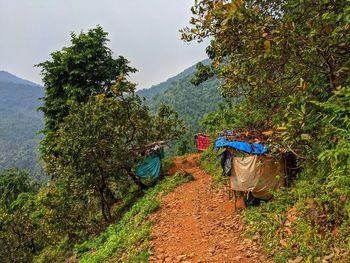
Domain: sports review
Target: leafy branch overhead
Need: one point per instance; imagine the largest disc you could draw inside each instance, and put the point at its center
(264, 47)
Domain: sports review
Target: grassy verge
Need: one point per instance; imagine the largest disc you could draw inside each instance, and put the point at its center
(128, 240)
(293, 226)
(168, 164)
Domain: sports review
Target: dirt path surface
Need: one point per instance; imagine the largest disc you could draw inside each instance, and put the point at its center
(198, 224)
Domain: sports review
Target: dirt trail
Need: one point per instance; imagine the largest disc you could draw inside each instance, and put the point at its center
(198, 224)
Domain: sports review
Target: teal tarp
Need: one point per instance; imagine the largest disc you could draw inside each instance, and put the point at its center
(150, 167)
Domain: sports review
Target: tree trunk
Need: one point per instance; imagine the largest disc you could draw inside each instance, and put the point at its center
(102, 199)
(108, 207)
(33, 248)
(110, 199)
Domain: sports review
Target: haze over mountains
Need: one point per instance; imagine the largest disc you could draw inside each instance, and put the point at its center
(149, 93)
(10, 78)
(20, 121)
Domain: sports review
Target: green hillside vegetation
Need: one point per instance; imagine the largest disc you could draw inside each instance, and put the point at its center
(192, 104)
(19, 123)
(95, 133)
(277, 65)
(289, 62)
(149, 93)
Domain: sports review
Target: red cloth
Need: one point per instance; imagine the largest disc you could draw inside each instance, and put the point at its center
(203, 143)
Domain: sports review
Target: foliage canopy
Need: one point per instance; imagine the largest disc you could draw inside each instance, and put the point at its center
(289, 62)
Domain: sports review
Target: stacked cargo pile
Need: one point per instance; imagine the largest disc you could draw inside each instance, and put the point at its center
(247, 163)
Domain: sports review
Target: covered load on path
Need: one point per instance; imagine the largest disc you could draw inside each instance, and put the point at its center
(202, 142)
(150, 167)
(257, 174)
(248, 164)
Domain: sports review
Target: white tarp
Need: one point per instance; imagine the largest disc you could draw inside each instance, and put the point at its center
(258, 174)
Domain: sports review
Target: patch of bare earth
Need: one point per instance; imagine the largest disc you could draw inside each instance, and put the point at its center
(198, 224)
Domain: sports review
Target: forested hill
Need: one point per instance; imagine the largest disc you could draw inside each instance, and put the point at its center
(191, 102)
(19, 121)
(10, 78)
(149, 93)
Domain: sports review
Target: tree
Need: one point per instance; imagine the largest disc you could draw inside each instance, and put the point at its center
(13, 182)
(277, 55)
(96, 130)
(75, 73)
(263, 48)
(182, 147)
(20, 233)
(289, 61)
(101, 141)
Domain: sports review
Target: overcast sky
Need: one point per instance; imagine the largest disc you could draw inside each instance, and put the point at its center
(146, 32)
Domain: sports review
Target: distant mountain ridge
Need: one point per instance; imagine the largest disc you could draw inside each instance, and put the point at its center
(7, 77)
(149, 93)
(19, 122)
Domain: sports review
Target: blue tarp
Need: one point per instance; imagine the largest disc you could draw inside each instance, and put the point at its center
(150, 167)
(255, 148)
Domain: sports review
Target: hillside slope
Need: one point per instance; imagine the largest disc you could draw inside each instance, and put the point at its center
(7, 77)
(19, 122)
(191, 102)
(149, 93)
